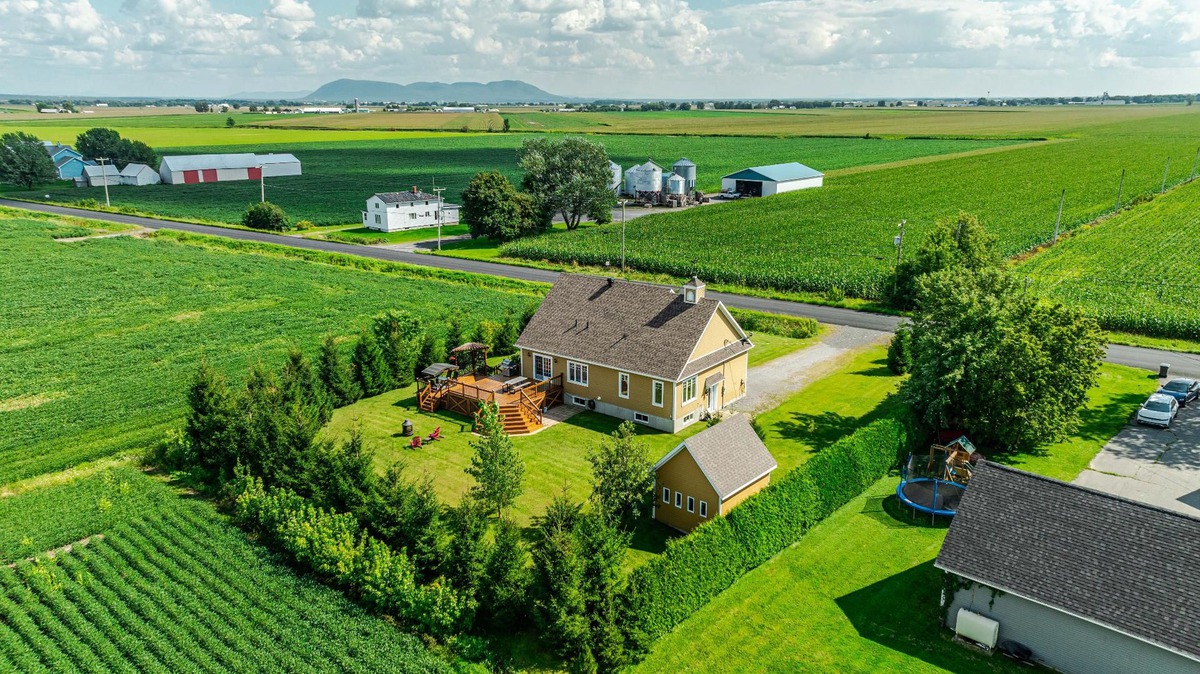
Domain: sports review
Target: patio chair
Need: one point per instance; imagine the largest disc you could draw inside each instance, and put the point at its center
(416, 443)
(435, 435)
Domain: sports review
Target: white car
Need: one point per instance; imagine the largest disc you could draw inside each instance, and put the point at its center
(1158, 410)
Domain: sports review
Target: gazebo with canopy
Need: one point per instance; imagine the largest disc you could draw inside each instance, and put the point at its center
(471, 357)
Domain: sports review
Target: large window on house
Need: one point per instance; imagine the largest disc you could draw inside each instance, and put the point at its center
(543, 367)
(689, 389)
(657, 393)
(577, 373)
(623, 384)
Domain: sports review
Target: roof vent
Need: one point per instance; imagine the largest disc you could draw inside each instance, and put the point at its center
(610, 282)
(693, 291)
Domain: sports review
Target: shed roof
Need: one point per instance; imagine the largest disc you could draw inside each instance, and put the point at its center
(1120, 563)
(642, 328)
(68, 159)
(101, 170)
(404, 197)
(281, 158)
(133, 168)
(730, 454)
(198, 162)
(778, 173)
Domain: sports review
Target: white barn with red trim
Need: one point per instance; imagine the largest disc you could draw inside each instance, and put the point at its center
(212, 168)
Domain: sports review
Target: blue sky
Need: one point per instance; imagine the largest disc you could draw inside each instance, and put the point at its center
(605, 48)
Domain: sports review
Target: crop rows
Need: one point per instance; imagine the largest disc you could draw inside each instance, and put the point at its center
(101, 337)
(841, 235)
(339, 176)
(1138, 271)
(176, 590)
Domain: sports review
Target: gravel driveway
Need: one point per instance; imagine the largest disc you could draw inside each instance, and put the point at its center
(1152, 465)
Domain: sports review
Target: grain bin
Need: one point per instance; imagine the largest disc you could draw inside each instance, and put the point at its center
(673, 183)
(649, 178)
(686, 170)
(615, 169)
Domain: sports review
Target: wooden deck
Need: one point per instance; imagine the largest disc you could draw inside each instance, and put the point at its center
(520, 409)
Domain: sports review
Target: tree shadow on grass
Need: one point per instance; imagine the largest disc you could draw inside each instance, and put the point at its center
(650, 535)
(1097, 423)
(902, 613)
(823, 429)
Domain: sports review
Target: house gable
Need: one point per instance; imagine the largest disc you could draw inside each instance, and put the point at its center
(722, 330)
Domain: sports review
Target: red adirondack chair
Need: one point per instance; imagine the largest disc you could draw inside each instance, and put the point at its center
(435, 435)
(416, 443)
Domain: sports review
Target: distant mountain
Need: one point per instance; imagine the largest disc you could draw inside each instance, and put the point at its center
(505, 91)
(267, 96)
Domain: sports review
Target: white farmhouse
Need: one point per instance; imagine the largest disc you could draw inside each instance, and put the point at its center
(139, 174)
(396, 211)
(763, 181)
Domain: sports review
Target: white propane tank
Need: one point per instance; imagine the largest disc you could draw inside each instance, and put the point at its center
(978, 628)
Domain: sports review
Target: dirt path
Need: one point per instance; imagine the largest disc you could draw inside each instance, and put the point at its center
(770, 383)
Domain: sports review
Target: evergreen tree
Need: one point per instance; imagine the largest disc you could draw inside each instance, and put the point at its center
(560, 604)
(454, 333)
(211, 423)
(410, 516)
(399, 336)
(336, 374)
(506, 337)
(467, 555)
(371, 371)
(433, 350)
(602, 549)
(342, 477)
(502, 598)
(496, 465)
(300, 384)
(622, 477)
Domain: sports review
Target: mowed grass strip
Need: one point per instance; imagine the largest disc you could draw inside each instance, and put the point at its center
(103, 336)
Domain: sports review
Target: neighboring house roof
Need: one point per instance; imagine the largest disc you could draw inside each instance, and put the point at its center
(242, 160)
(97, 171)
(67, 160)
(1108, 560)
(641, 328)
(730, 454)
(404, 197)
(54, 149)
(779, 173)
(133, 169)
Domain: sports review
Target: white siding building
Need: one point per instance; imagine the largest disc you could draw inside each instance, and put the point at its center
(139, 174)
(99, 176)
(763, 181)
(396, 211)
(211, 168)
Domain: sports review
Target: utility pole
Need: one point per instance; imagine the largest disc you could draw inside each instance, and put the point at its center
(104, 179)
(623, 202)
(1120, 186)
(1164, 183)
(262, 186)
(1061, 200)
(439, 191)
(899, 243)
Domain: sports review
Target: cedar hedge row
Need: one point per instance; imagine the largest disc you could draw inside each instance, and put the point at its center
(696, 568)
(796, 327)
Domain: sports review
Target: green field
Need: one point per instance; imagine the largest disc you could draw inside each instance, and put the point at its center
(164, 584)
(1138, 271)
(841, 235)
(102, 336)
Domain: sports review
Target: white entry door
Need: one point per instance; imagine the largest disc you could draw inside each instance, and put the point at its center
(713, 403)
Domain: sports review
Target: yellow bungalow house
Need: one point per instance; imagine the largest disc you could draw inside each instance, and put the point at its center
(660, 356)
(710, 473)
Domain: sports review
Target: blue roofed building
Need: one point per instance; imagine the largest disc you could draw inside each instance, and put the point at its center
(763, 181)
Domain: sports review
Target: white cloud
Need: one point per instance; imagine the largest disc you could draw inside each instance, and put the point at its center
(602, 47)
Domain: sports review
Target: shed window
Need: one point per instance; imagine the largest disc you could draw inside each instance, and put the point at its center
(577, 373)
(666, 495)
(691, 504)
(412, 216)
(657, 396)
(704, 508)
(623, 384)
(678, 500)
(377, 220)
(689, 389)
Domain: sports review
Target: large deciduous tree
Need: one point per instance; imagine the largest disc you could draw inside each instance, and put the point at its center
(24, 161)
(958, 243)
(569, 177)
(98, 142)
(990, 358)
(492, 207)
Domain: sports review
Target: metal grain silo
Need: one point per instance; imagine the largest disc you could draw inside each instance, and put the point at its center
(686, 170)
(615, 169)
(649, 178)
(673, 183)
(631, 177)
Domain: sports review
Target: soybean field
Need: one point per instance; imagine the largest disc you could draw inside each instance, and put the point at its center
(102, 336)
(165, 585)
(841, 235)
(339, 176)
(1138, 271)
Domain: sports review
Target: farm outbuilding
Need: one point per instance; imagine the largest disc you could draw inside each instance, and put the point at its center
(763, 181)
(98, 176)
(1080, 581)
(211, 168)
(139, 174)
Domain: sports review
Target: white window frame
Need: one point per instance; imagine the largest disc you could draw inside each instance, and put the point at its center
(666, 495)
(689, 417)
(658, 393)
(378, 220)
(574, 370)
(549, 361)
(641, 417)
(704, 509)
(678, 499)
(579, 401)
(690, 382)
(623, 379)
(691, 504)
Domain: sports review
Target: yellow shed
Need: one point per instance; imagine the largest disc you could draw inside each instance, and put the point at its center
(710, 473)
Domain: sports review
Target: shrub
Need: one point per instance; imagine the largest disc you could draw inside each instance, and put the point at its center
(797, 327)
(266, 216)
(696, 568)
(835, 294)
(899, 355)
(304, 225)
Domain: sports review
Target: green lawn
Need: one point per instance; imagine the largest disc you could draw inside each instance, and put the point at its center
(829, 408)
(859, 593)
(370, 236)
(768, 347)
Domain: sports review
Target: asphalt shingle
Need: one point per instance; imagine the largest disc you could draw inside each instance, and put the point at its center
(730, 454)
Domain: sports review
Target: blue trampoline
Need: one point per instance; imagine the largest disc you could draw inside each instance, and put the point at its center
(927, 491)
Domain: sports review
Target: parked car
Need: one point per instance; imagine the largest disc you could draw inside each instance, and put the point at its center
(1158, 410)
(1183, 390)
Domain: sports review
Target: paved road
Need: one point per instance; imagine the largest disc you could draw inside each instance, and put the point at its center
(1182, 364)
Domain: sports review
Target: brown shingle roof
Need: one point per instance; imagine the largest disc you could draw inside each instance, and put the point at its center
(730, 454)
(636, 327)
